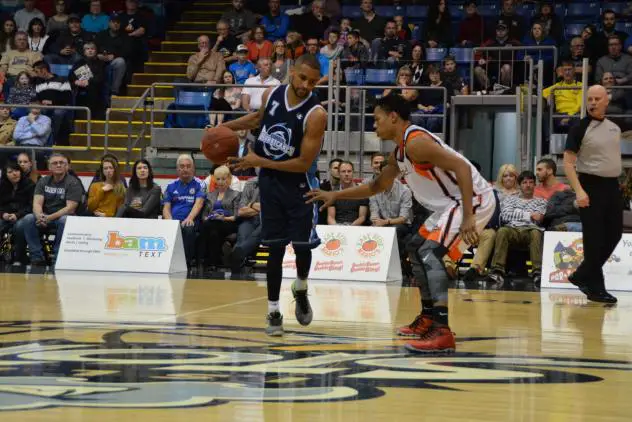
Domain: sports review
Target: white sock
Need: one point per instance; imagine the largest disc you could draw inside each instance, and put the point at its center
(300, 284)
(273, 306)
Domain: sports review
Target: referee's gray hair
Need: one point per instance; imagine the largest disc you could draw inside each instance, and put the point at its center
(185, 157)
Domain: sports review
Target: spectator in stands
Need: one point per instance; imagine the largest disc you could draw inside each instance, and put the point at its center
(23, 91)
(546, 171)
(313, 47)
(313, 24)
(219, 218)
(96, 21)
(225, 99)
(142, 199)
(432, 101)
(37, 37)
(488, 63)
(370, 25)
(417, 65)
(56, 90)
(472, 27)
(24, 16)
(567, 101)
(98, 175)
(258, 46)
(332, 47)
(240, 20)
(26, 164)
(562, 212)
(249, 229)
(137, 29)
(393, 208)
(280, 63)
(205, 66)
(438, 32)
(521, 218)
(211, 184)
(68, 46)
(404, 79)
(56, 196)
(514, 22)
(16, 201)
(294, 44)
(7, 35)
(537, 38)
(251, 98)
(377, 158)
(551, 24)
(114, 50)
(390, 49)
(617, 63)
(244, 147)
(591, 43)
(106, 196)
(333, 183)
(506, 185)
(87, 77)
(356, 54)
(19, 60)
(183, 201)
(243, 68)
(402, 30)
(450, 76)
(345, 29)
(275, 23)
(602, 39)
(353, 212)
(59, 21)
(7, 125)
(33, 129)
(225, 43)
(618, 101)
(575, 53)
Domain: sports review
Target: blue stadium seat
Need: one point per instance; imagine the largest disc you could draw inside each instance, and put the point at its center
(625, 27)
(385, 11)
(526, 10)
(615, 7)
(488, 10)
(354, 76)
(462, 55)
(583, 9)
(559, 9)
(573, 29)
(417, 11)
(193, 98)
(380, 76)
(351, 11)
(436, 54)
(457, 12)
(60, 69)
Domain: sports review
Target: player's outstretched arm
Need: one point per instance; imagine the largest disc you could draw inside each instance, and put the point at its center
(250, 121)
(381, 183)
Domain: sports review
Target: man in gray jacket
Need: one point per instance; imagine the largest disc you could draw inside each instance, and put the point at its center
(617, 63)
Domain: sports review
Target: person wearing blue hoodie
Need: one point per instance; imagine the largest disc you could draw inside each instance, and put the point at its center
(275, 23)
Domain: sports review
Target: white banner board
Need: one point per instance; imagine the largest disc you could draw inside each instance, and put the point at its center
(351, 253)
(121, 244)
(563, 252)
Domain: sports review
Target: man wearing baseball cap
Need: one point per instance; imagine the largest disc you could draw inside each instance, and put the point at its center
(495, 65)
(69, 45)
(242, 68)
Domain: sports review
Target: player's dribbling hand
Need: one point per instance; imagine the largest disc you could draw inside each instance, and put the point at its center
(468, 231)
(249, 160)
(324, 196)
(582, 199)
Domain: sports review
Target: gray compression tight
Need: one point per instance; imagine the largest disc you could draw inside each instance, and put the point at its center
(426, 257)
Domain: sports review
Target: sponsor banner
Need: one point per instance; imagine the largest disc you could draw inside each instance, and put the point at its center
(351, 253)
(121, 244)
(564, 251)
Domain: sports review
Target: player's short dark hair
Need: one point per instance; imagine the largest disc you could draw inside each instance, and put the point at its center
(334, 160)
(348, 163)
(394, 103)
(526, 175)
(309, 60)
(550, 164)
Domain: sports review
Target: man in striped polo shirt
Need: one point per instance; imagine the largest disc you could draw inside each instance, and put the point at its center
(592, 162)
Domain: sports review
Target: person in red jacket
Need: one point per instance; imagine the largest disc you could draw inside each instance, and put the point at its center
(472, 27)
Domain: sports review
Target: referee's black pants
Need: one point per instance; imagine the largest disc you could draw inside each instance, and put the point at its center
(602, 227)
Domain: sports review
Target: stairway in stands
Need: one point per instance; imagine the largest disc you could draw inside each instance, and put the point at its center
(164, 65)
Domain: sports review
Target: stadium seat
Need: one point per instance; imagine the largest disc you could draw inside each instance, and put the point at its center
(417, 11)
(617, 8)
(60, 69)
(457, 12)
(189, 98)
(436, 54)
(351, 11)
(488, 10)
(559, 9)
(583, 10)
(526, 10)
(380, 76)
(461, 55)
(385, 11)
(354, 76)
(625, 27)
(573, 29)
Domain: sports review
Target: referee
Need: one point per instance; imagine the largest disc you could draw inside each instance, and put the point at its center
(592, 161)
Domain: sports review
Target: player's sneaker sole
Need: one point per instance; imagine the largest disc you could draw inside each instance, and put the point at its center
(303, 311)
(438, 340)
(275, 324)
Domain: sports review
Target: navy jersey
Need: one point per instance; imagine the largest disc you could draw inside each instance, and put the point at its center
(282, 129)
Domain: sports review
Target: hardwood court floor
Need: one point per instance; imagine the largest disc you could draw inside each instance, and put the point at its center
(113, 347)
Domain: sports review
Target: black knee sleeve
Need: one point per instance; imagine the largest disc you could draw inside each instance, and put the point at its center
(303, 262)
(274, 272)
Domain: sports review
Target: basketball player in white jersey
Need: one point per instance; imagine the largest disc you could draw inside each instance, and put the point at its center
(446, 183)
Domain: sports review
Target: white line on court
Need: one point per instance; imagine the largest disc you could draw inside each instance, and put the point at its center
(212, 308)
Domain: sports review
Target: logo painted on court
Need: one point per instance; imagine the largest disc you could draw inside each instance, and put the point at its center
(115, 373)
(370, 245)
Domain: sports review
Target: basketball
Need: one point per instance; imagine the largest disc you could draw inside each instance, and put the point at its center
(219, 143)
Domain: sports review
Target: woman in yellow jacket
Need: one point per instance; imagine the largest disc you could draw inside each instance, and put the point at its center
(105, 197)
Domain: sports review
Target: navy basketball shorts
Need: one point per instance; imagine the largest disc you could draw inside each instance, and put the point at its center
(285, 217)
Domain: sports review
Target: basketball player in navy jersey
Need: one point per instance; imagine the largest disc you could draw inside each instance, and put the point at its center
(292, 125)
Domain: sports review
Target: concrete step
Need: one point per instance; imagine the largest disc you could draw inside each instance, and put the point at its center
(164, 67)
(114, 140)
(179, 45)
(115, 127)
(149, 78)
(95, 154)
(204, 26)
(212, 15)
(129, 102)
(121, 114)
(187, 35)
(170, 56)
(136, 90)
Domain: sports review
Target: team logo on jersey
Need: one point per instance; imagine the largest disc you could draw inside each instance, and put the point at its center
(370, 245)
(333, 244)
(277, 141)
(141, 373)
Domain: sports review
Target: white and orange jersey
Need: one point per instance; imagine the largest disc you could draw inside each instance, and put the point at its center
(433, 187)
